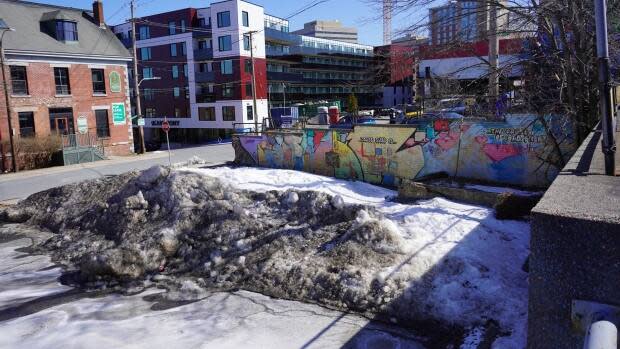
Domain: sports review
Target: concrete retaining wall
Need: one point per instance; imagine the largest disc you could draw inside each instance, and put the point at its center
(519, 151)
(575, 246)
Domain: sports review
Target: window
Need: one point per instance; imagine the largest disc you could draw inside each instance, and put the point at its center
(225, 43)
(228, 113)
(173, 50)
(101, 120)
(226, 67)
(186, 89)
(61, 78)
(19, 80)
(183, 49)
(205, 67)
(185, 70)
(183, 26)
(176, 91)
(147, 73)
(145, 53)
(250, 112)
(26, 124)
(223, 19)
(248, 65)
(206, 114)
(177, 112)
(203, 45)
(228, 90)
(175, 71)
(66, 31)
(248, 89)
(245, 18)
(172, 27)
(149, 94)
(246, 42)
(145, 33)
(202, 23)
(98, 81)
(150, 112)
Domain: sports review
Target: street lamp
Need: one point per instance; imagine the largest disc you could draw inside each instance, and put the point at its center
(3, 29)
(139, 110)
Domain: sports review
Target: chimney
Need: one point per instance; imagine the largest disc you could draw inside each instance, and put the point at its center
(98, 13)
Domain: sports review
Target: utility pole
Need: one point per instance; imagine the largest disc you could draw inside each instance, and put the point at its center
(4, 28)
(493, 52)
(254, 112)
(606, 107)
(135, 77)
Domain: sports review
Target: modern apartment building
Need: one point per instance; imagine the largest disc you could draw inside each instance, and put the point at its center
(302, 69)
(68, 74)
(201, 59)
(461, 21)
(332, 30)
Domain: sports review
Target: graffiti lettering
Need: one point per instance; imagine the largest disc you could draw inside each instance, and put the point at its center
(377, 140)
(515, 135)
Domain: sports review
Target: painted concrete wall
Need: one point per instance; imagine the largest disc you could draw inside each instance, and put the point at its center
(518, 151)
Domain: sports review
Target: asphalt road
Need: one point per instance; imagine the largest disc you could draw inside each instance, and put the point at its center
(20, 185)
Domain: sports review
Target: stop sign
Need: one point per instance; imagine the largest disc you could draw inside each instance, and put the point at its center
(165, 126)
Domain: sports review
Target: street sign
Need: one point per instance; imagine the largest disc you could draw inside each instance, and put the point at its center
(82, 124)
(118, 113)
(115, 82)
(165, 126)
(141, 122)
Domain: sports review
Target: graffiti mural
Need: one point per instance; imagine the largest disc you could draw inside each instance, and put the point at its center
(523, 150)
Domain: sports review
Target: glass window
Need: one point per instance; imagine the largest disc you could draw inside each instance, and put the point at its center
(228, 113)
(147, 73)
(228, 90)
(149, 94)
(101, 120)
(248, 65)
(177, 112)
(61, 78)
(201, 22)
(150, 112)
(145, 53)
(172, 27)
(246, 42)
(223, 19)
(145, 32)
(175, 71)
(206, 114)
(183, 26)
(66, 31)
(185, 70)
(98, 81)
(250, 112)
(248, 89)
(176, 91)
(225, 43)
(245, 17)
(173, 50)
(19, 80)
(183, 49)
(226, 67)
(26, 124)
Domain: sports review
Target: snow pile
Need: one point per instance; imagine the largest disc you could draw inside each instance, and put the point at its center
(296, 236)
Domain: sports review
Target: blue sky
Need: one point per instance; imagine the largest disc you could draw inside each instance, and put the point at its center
(357, 13)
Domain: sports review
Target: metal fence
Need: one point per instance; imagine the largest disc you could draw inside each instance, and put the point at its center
(81, 148)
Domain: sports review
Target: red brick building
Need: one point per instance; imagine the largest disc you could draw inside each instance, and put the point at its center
(66, 73)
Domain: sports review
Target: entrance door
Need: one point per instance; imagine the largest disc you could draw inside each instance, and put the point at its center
(62, 126)
(61, 121)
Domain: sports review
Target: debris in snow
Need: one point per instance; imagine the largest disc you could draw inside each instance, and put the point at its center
(449, 265)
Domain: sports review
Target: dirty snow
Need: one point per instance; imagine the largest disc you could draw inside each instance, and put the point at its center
(219, 320)
(475, 260)
(299, 236)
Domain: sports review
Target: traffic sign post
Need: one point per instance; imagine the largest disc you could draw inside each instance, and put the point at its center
(165, 126)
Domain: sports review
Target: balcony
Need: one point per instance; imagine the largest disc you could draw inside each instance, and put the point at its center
(205, 76)
(275, 35)
(203, 54)
(285, 77)
(202, 32)
(205, 97)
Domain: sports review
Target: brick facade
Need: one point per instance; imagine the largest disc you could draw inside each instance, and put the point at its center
(82, 101)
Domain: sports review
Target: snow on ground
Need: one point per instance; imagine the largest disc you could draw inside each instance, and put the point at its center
(474, 260)
(499, 190)
(219, 320)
